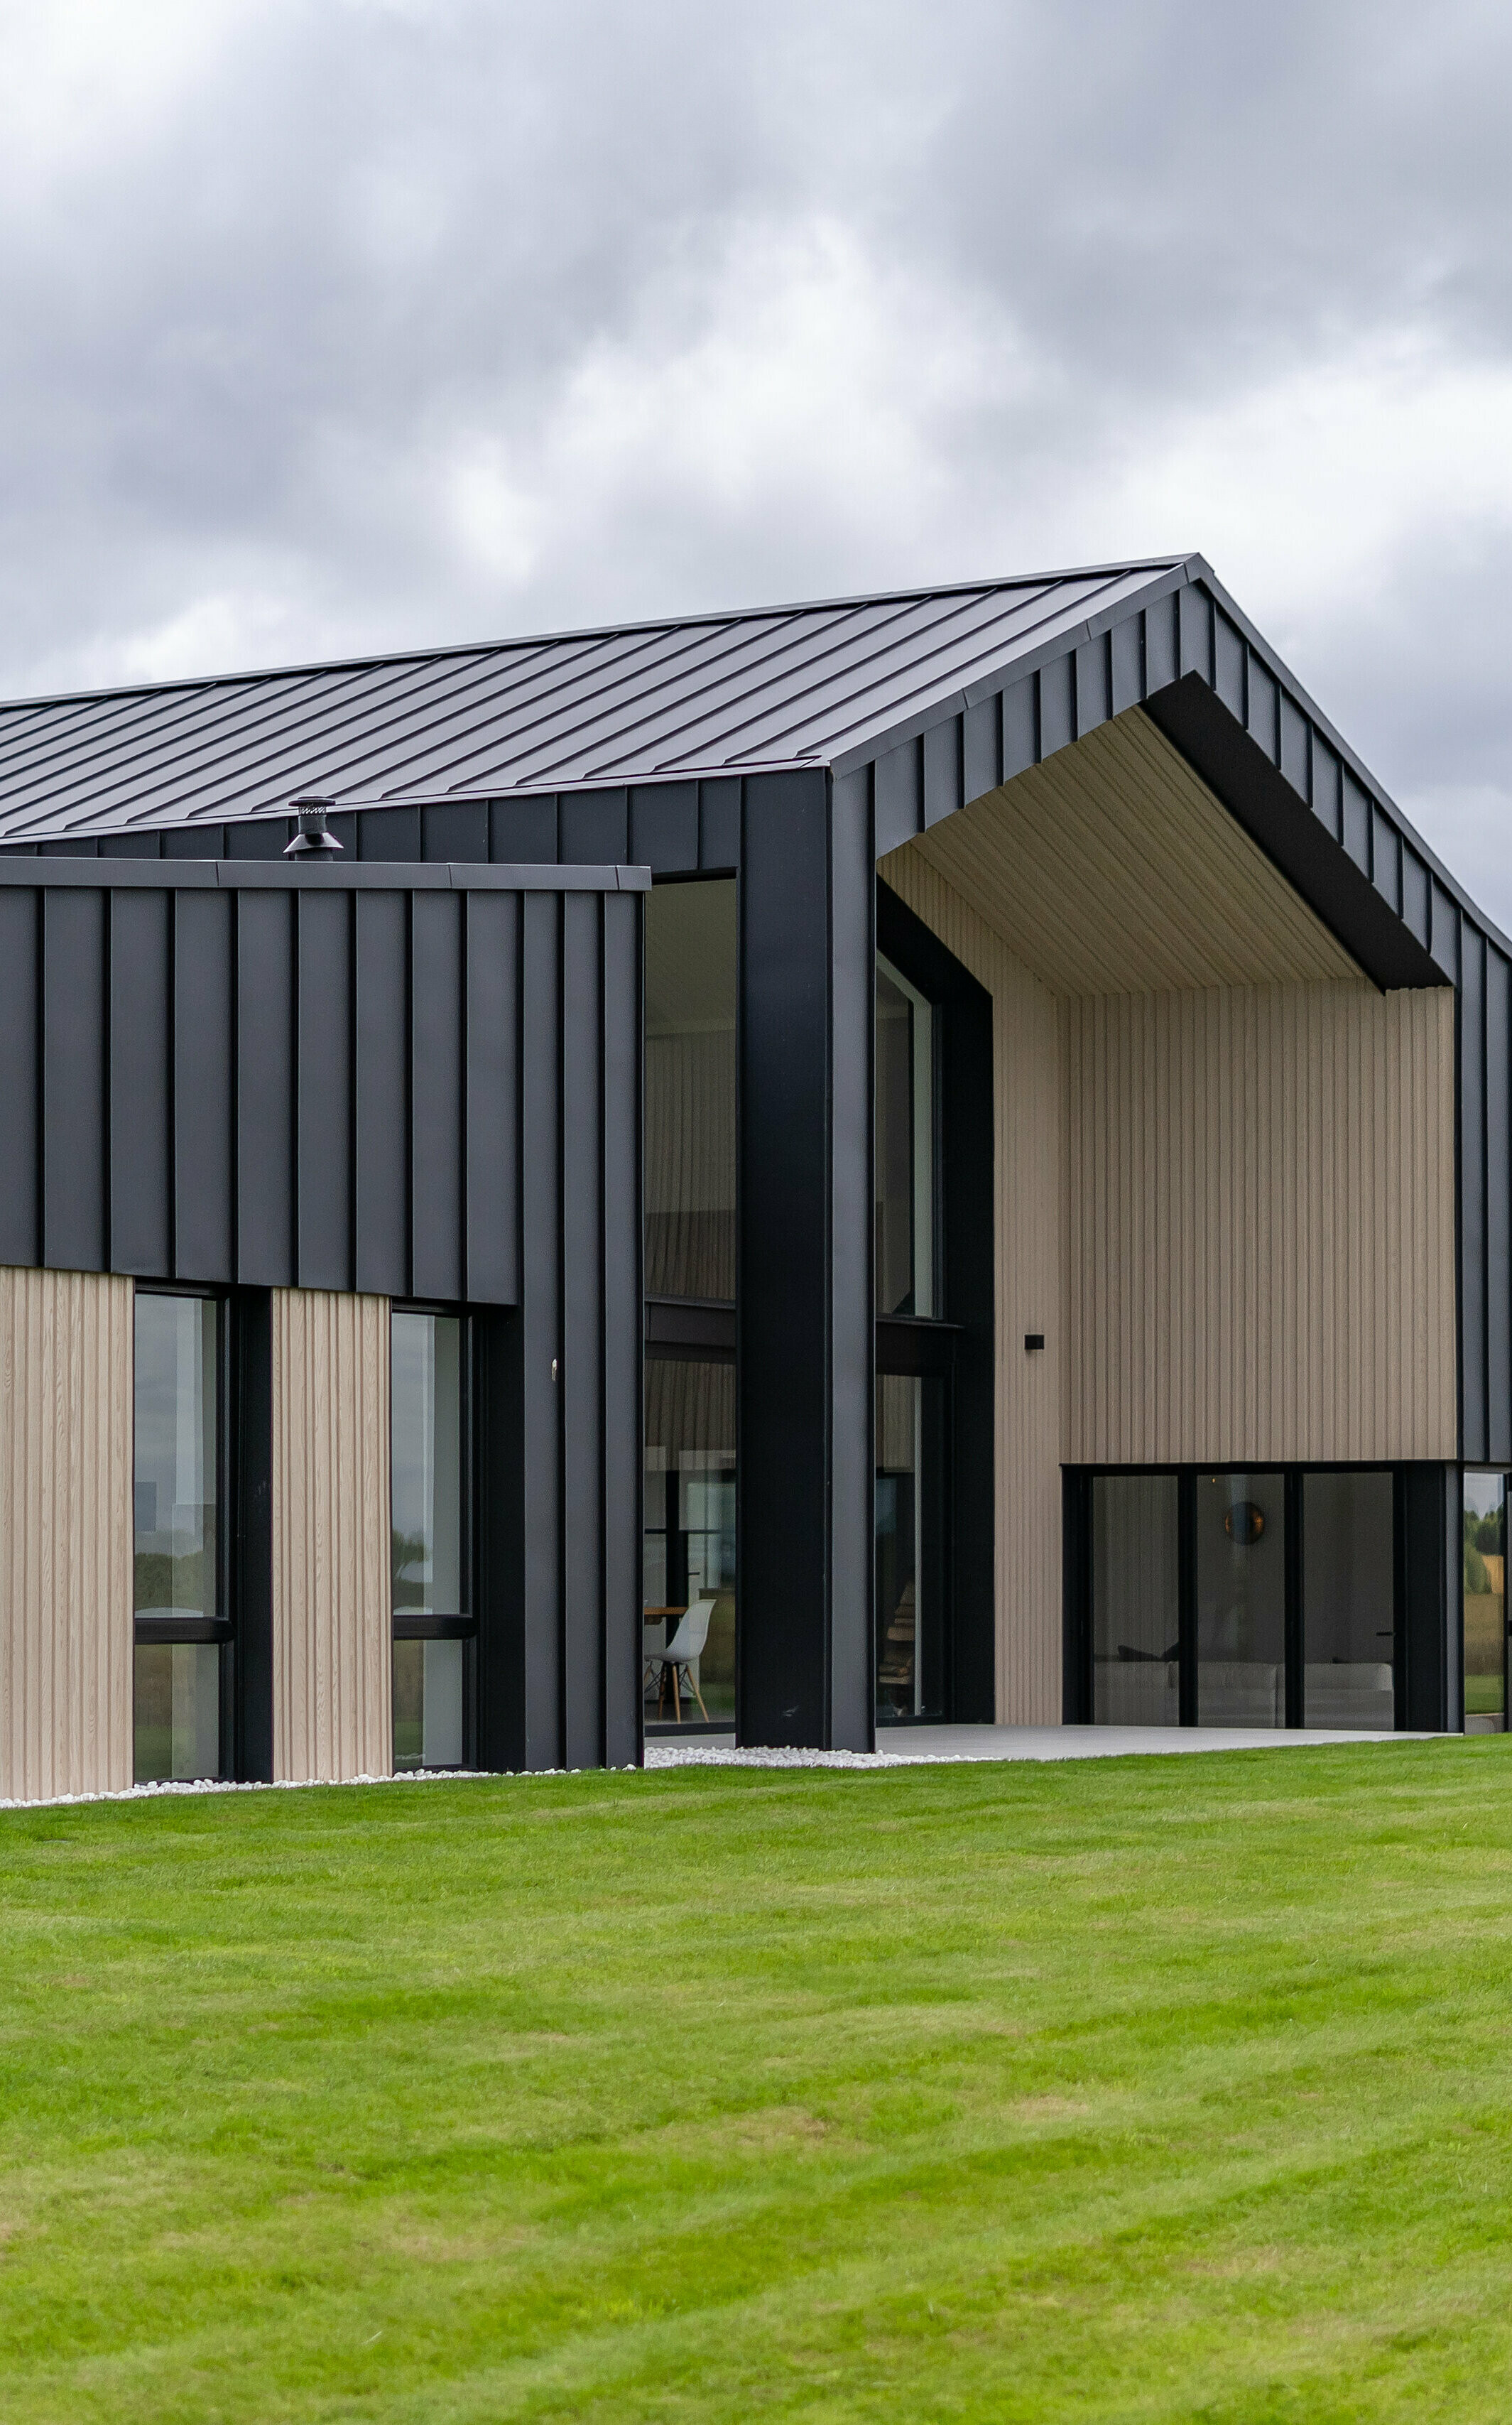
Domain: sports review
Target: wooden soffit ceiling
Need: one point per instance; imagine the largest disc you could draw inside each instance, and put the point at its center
(1112, 868)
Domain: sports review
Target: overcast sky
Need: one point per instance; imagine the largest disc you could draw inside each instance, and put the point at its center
(335, 324)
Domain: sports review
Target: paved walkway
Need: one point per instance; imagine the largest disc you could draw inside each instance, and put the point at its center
(901, 1746)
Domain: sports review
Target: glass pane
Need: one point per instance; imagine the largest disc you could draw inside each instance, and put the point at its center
(690, 1090)
(178, 1711)
(428, 1703)
(688, 1667)
(427, 1513)
(1241, 1599)
(911, 1585)
(1348, 1599)
(176, 1568)
(905, 1147)
(1136, 1601)
(1484, 1602)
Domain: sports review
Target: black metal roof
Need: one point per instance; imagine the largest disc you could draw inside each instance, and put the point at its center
(698, 695)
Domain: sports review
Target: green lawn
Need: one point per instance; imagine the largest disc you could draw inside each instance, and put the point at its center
(1135, 2089)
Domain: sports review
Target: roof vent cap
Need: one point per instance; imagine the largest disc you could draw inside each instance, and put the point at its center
(311, 808)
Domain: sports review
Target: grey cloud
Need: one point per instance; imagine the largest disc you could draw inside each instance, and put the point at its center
(256, 332)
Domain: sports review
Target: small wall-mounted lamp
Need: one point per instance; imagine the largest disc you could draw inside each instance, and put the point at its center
(312, 810)
(1033, 1342)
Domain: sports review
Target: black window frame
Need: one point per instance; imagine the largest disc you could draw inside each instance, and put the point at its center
(154, 1632)
(461, 1625)
(1078, 1694)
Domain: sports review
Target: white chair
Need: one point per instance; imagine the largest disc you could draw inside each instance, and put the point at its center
(682, 1655)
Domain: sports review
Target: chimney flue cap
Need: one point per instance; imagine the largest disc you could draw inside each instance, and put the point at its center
(311, 808)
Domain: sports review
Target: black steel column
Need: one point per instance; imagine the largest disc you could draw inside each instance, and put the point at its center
(804, 1356)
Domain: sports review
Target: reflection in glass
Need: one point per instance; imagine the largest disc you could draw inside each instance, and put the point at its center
(1485, 1565)
(905, 1155)
(177, 1710)
(428, 1703)
(909, 1565)
(688, 1667)
(1348, 1599)
(1135, 1601)
(690, 1090)
(1241, 1599)
(427, 1511)
(174, 1491)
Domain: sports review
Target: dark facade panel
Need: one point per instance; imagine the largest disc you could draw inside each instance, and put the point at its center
(1057, 705)
(1471, 1025)
(1094, 684)
(623, 1405)
(522, 832)
(455, 831)
(267, 1254)
(436, 1093)
(663, 828)
(899, 799)
(1498, 1208)
(1386, 859)
(982, 746)
(593, 828)
(262, 837)
(20, 1072)
(720, 825)
(204, 1106)
(851, 1715)
(942, 756)
(492, 1057)
(1020, 727)
(324, 1096)
(538, 1344)
(381, 1144)
(1293, 746)
(581, 1387)
(140, 1090)
(1229, 654)
(393, 834)
(75, 1033)
(1126, 657)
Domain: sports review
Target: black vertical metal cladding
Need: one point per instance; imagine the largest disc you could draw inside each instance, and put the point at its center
(940, 751)
(593, 828)
(21, 913)
(324, 1077)
(897, 796)
(1190, 1707)
(251, 1335)
(265, 1047)
(74, 1114)
(499, 1538)
(1076, 1598)
(1020, 728)
(390, 834)
(383, 1086)
(720, 825)
(1057, 705)
(1470, 1026)
(437, 1087)
(140, 1092)
(664, 827)
(493, 960)
(782, 1380)
(1431, 1533)
(522, 833)
(982, 746)
(455, 831)
(204, 1113)
(1294, 1668)
(852, 1384)
(1499, 1207)
(623, 1400)
(580, 1385)
(538, 1336)
(260, 838)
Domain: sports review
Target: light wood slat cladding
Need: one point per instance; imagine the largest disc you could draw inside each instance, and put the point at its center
(1260, 1226)
(1028, 1289)
(1111, 869)
(333, 1622)
(65, 1534)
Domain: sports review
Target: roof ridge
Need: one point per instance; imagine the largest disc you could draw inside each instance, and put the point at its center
(918, 592)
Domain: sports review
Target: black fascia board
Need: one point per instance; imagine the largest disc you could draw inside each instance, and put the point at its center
(1259, 797)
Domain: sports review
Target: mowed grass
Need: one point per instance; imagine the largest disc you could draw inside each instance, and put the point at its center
(1129, 2089)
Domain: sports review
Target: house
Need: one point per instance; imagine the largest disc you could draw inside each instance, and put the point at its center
(941, 1156)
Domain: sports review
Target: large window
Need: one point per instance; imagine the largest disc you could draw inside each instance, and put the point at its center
(911, 1529)
(179, 1587)
(1348, 1599)
(688, 1591)
(1485, 1569)
(433, 1633)
(905, 1152)
(1135, 1601)
(1242, 1598)
(690, 1091)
